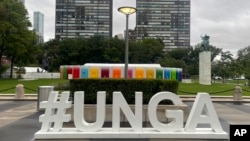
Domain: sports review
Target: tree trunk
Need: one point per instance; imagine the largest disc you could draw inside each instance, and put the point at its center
(11, 67)
(1, 54)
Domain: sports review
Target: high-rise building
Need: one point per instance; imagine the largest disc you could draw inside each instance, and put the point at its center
(131, 35)
(168, 20)
(83, 18)
(38, 25)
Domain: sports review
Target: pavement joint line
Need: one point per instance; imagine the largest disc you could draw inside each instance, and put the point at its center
(223, 112)
(17, 113)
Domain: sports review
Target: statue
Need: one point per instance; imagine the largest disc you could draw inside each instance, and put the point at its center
(45, 62)
(205, 61)
(205, 42)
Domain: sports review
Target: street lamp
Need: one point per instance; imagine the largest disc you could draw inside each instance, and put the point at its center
(127, 11)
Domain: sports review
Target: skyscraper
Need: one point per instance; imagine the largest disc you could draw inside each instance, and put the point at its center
(168, 20)
(38, 25)
(83, 18)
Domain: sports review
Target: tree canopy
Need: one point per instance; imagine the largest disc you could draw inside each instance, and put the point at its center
(98, 49)
(16, 40)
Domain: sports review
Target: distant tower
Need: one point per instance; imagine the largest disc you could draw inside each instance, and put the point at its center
(38, 25)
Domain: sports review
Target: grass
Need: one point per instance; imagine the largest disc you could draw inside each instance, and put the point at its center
(215, 89)
(7, 86)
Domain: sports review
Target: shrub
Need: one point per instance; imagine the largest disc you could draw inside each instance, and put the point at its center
(128, 87)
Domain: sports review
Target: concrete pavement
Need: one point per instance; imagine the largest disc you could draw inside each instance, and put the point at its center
(19, 117)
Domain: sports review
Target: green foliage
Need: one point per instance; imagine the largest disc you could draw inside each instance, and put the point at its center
(215, 89)
(98, 49)
(15, 37)
(244, 60)
(192, 57)
(3, 68)
(127, 86)
(146, 51)
(114, 50)
(168, 61)
(189, 89)
(224, 67)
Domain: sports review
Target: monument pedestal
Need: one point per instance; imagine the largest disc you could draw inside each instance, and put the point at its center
(205, 68)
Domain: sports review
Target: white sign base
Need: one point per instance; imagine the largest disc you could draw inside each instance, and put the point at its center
(126, 133)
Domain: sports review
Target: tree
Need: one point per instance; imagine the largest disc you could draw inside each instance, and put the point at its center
(175, 58)
(49, 53)
(171, 62)
(114, 50)
(96, 48)
(223, 66)
(244, 60)
(15, 36)
(146, 51)
(192, 58)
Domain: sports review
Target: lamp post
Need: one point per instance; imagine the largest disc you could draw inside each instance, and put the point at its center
(127, 11)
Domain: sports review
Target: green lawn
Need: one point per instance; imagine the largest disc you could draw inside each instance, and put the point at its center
(7, 86)
(218, 89)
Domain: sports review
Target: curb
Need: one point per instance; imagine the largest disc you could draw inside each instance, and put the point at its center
(185, 98)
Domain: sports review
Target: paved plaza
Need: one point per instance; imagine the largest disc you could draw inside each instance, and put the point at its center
(19, 118)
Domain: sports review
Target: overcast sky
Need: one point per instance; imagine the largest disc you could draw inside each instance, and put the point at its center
(227, 22)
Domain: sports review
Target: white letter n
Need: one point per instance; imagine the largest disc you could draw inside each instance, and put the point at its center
(119, 102)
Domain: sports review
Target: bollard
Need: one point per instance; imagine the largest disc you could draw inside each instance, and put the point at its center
(43, 94)
(237, 93)
(19, 91)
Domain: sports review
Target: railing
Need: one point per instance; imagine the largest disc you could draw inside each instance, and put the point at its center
(245, 90)
(4, 90)
(219, 92)
(14, 88)
(30, 89)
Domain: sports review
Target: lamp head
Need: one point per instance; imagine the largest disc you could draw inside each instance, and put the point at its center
(127, 10)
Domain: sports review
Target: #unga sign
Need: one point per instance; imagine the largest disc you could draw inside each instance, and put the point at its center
(202, 112)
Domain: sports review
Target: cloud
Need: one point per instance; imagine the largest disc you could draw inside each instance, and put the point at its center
(47, 7)
(225, 21)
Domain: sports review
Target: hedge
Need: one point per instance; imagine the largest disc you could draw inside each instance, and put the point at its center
(128, 87)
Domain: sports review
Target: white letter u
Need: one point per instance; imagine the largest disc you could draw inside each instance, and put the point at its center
(79, 121)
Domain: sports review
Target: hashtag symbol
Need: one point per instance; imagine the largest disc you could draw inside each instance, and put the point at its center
(55, 112)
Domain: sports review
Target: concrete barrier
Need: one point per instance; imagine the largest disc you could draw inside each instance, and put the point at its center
(237, 93)
(19, 91)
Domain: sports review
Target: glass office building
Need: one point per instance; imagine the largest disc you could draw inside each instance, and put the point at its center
(168, 20)
(83, 18)
(38, 25)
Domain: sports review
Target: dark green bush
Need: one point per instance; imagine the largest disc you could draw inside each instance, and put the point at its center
(128, 87)
(62, 86)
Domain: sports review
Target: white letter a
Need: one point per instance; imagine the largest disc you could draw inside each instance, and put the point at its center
(237, 132)
(203, 103)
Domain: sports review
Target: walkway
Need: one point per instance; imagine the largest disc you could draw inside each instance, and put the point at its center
(19, 118)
